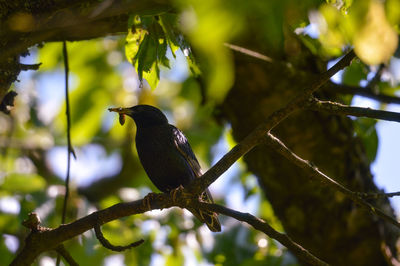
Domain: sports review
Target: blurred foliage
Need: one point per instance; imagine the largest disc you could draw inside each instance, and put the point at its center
(190, 42)
(363, 24)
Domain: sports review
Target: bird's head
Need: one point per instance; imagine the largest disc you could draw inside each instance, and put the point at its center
(143, 115)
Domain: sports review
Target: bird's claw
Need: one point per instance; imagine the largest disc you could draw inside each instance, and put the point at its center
(147, 199)
(175, 193)
(180, 193)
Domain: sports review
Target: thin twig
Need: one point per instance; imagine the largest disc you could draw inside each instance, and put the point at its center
(249, 52)
(69, 148)
(69, 145)
(366, 195)
(110, 246)
(376, 79)
(264, 227)
(363, 91)
(337, 108)
(314, 172)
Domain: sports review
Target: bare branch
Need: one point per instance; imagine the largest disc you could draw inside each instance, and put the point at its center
(70, 21)
(256, 136)
(337, 108)
(314, 172)
(378, 195)
(264, 227)
(110, 246)
(249, 52)
(70, 150)
(42, 239)
(363, 91)
(25, 67)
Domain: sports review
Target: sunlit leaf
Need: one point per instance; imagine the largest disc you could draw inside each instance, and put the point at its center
(376, 41)
(354, 73)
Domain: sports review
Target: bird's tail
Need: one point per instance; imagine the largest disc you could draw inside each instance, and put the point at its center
(208, 217)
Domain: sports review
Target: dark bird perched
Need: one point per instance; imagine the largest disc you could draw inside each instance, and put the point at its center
(166, 155)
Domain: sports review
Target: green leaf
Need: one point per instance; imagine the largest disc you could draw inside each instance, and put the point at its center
(152, 76)
(23, 183)
(147, 47)
(355, 73)
(133, 39)
(365, 129)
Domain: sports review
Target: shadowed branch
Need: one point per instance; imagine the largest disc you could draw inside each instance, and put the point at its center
(341, 109)
(110, 246)
(42, 238)
(257, 135)
(65, 254)
(314, 172)
(264, 227)
(378, 195)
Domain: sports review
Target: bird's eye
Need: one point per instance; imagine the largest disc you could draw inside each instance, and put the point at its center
(122, 119)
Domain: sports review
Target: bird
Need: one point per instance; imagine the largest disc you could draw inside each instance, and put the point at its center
(166, 155)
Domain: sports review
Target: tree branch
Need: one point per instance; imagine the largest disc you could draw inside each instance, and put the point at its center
(257, 135)
(42, 238)
(264, 227)
(108, 245)
(249, 52)
(63, 17)
(378, 195)
(363, 91)
(314, 172)
(65, 254)
(337, 108)
(69, 146)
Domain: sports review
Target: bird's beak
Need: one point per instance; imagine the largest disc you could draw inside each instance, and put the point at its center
(120, 110)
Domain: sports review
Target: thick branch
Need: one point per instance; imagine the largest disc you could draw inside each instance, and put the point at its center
(42, 239)
(337, 108)
(45, 239)
(56, 23)
(256, 136)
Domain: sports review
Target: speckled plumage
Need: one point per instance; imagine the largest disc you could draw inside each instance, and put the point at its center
(166, 155)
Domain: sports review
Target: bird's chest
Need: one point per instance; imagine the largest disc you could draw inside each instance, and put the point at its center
(161, 160)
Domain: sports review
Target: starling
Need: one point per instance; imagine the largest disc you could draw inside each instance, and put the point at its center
(166, 155)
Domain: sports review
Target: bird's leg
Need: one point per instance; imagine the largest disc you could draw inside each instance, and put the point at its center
(177, 192)
(180, 193)
(147, 199)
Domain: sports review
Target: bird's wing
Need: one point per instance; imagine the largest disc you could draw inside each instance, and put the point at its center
(183, 146)
(186, 151)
